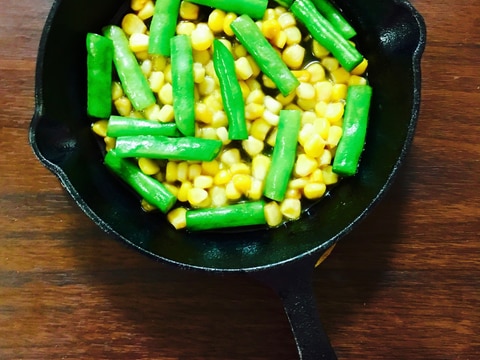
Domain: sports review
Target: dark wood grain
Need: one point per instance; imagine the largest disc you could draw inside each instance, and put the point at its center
(404, 285)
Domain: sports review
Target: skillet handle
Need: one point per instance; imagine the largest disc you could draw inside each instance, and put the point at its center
(293, 284)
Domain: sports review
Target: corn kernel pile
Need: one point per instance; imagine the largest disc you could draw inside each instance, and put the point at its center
(238, 173)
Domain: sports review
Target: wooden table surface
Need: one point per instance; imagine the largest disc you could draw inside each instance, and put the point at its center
(404, 285)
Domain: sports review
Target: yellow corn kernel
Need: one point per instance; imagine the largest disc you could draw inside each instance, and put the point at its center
(293, 194)
(256, 96)
(238, 50)
(132, 24)
(270, 28)
(260, 166)
(183, 190)
(146, 66)
(254, 111)
(279, 40)
(334, 112)
(222, 177)
(218, 196)
(240, 168)
(323, 90)
(210, 168)
(340, 76)
(314, 145)
(171, 172)
(178, 218)
(159, 62)
(302, 75)
(109, 143)
(256, 190)
(317, 72)
(230, 156)
(215, 20)
(229, 18)
(203, 113)
(188, 10)
(227, 43)
(357, 80)
(165, 95)
(305, 91)
(207, 86)
(314, 190)
(252, 146)
(253, 84)
(306, 104)
(304, 165)
(142, 55)
(214, 100)
(148, 166)
(339, 92)
(279, 10)
(222, 134)
(321, 109)
(322, 127)
(271, 118)
(269, 14)
(202, 37)
(285, 100)
(219, 119)
(297, 183)
(330, 63)
(273, 215)
(243, 68)
(242, 182)
(172, 188)
(159, 176)
(306, 131)
(194, 170)
(203, 181)
(334, 135)
(202, 57)
(272, 137)
(329, 177)
(166, 113)
(147, 11)
(267, 82)
(286, 20)
(291, 208)
(316, 176)
(136, 5)
(156, 80)
(272, 104)
(185, 28)
(293, 56)
(146, 206)
(138, 42)
(360, 68)
(100, 127)
(232, 192)
(308, 117)
(117, 90)
(255, 68)
(260, 129)
(325, 158)
(294, 36)
(197, 196)
(123, 106)
(318, 50)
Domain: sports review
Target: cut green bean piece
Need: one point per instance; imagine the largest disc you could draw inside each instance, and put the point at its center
(125, 126)
(252, 8)
(335, 17)
(264, 54)
(231, 92)
(99, 75)
(284, 153)
(150, 189)
(241, 214)
(355, 119)
(162, 27)
(134, 82)
(183, 85)
(171, 148)
(326, 35)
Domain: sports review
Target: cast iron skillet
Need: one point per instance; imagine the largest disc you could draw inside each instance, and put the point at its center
(392, 36)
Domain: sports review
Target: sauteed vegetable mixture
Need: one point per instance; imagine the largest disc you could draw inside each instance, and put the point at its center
(229, 113)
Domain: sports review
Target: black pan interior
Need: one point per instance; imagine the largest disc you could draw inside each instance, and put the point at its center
(392, 37)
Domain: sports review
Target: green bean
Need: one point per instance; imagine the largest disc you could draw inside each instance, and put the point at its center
(232, 96)
(241, 214)
(284, 153)
(355, 119)
(125, 126)
(171, 148)
(264, 54)
(252, 8)
(326, 35)
(99, 75)
(150, 189)
(335, 17)
(162, 27)
(183, 85)
(134, 82)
